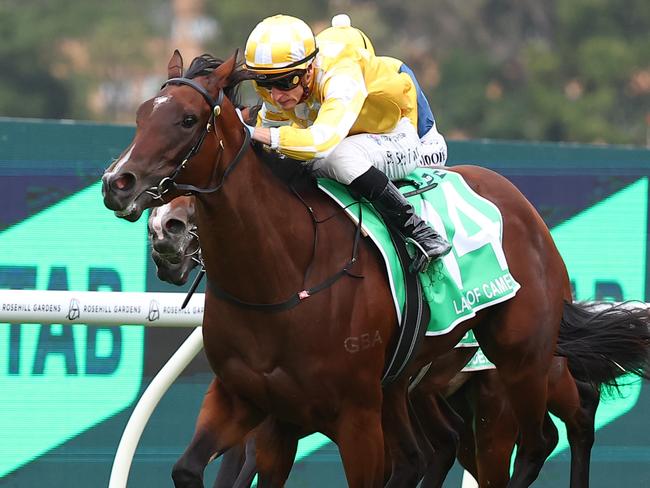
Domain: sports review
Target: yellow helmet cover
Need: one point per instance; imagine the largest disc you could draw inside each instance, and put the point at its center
(280, 44)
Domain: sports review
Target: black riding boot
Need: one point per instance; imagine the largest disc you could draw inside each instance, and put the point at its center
(399, 214)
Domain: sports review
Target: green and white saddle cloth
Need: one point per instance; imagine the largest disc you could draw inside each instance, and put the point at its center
(473, 276)
(479, 361)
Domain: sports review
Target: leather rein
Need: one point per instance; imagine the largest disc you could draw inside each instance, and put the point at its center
(168, 183)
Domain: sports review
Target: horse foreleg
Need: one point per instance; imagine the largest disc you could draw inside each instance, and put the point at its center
(230, 467)
(223, 422)
(277, 443)
(408, 462)
(461, 403)
(441, 425)
(249, 468)
(360, 440)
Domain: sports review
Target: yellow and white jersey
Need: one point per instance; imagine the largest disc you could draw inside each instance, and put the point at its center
(353, 92)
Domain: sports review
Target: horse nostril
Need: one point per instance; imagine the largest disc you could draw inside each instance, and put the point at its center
(123, 182)
(174, 226)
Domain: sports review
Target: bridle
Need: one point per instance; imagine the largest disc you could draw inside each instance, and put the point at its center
(168, 183)
(196, 255)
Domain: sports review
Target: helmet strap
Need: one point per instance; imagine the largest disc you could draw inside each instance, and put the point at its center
(306, 90)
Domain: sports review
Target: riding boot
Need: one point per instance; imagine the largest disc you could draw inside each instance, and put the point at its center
(399, 214)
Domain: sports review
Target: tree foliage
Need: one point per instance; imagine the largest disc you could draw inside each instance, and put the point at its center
(510, 69)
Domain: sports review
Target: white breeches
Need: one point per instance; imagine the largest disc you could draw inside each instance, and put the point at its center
(434, 148)
(396, 153)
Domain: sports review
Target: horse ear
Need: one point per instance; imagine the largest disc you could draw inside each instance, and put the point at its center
(221, 76)
(228, 66)
(175, 65)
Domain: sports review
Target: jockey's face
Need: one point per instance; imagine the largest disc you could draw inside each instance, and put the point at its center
(288, 99)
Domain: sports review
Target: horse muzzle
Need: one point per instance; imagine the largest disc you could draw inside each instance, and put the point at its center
(120, 195)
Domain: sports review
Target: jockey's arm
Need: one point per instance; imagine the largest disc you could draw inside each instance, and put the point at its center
(263, 135)
(267, 117)
(344, 93)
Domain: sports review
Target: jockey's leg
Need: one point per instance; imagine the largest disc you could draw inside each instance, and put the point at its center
(367, 163)
(400, 215)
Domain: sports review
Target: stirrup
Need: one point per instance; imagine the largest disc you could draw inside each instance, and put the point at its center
(420, 262)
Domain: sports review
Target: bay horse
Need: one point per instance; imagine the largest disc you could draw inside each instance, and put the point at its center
(172, 231)
(176, 250)
(274, 333)
(489, 432)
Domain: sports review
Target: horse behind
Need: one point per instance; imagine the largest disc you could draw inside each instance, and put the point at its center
(175, 242)
(275, 337)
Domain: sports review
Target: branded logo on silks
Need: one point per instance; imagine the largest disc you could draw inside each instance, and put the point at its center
(57, 381)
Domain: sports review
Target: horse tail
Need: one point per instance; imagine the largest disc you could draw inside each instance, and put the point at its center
(604, 342)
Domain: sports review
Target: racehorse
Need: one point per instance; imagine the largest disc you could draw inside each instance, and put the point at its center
(172, 230)
(175, 242)
(487, 443)
(175, 248)
(277, 316)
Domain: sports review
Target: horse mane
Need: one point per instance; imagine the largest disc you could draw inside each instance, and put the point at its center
(205, 64)
(292, 171)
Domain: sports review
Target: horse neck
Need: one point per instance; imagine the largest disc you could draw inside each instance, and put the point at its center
(255, 235)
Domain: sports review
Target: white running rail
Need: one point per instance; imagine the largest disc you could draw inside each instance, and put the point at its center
(100, 307)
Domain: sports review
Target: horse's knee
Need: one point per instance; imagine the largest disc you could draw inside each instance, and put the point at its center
(408, 469)
(551, 435)
(187, 474)
(541, 447)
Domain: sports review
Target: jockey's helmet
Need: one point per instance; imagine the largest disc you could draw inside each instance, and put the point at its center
(280, 44)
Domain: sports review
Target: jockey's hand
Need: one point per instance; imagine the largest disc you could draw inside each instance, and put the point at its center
(249, 128)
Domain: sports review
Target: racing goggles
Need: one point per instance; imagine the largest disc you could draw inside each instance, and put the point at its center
(284, 81)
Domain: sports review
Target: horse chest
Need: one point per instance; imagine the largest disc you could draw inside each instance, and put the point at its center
(274, 390)
(254, 380)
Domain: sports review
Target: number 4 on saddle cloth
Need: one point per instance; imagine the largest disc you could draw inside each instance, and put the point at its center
(473, 276)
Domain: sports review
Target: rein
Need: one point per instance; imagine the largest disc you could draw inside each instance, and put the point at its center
(298, 297)
(168, 183)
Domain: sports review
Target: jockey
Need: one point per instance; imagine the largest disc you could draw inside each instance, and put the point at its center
(353, 117)
(434, 146)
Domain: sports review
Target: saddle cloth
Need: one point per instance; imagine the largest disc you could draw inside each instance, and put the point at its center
(473, 276)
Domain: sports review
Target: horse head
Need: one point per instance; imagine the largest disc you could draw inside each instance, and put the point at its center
(174, 239)
(176, 138)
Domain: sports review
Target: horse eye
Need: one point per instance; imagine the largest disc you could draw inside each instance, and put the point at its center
(188, 121)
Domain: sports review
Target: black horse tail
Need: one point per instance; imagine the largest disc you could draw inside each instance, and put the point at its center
(604, 342)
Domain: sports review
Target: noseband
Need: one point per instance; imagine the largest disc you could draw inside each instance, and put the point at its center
(168, 183)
